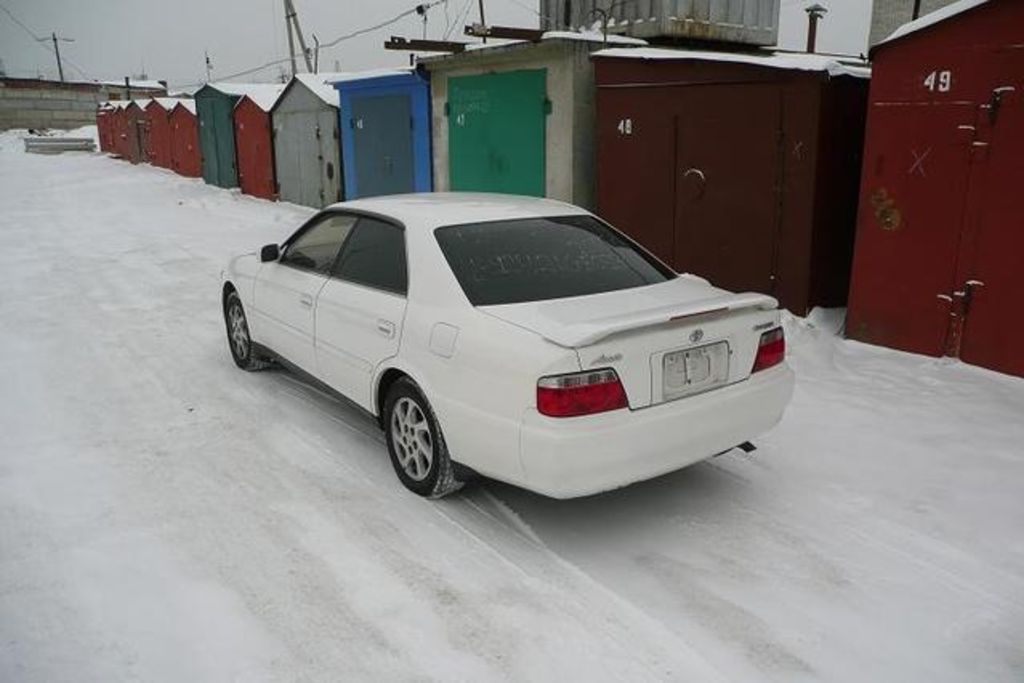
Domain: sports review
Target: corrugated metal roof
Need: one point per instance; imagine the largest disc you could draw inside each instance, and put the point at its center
(774, 60)
(932, 18)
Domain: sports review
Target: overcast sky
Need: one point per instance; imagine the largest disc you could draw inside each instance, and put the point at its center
(166, 39)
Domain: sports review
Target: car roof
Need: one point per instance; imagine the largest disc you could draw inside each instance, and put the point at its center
(429, 210)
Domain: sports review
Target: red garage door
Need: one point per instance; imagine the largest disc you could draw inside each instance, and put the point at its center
(912, 202)
(993, 272)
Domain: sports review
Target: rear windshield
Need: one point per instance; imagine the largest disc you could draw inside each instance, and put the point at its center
(532, 259)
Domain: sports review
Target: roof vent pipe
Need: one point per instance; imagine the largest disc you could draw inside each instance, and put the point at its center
(814, 12)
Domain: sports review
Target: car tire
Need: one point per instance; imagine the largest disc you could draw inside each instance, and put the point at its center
(416, 444)
(239, 341)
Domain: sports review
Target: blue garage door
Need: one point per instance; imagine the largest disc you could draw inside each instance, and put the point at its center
(382, 133)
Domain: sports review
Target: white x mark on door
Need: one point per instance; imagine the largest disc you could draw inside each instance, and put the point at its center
(918, 164)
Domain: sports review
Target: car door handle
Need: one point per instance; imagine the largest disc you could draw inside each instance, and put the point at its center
(306, 301)
(386, 327)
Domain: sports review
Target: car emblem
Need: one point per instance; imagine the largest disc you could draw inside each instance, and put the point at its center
(696, 335)
(606, 360)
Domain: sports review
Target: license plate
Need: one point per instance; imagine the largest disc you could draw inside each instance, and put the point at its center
(692, 370)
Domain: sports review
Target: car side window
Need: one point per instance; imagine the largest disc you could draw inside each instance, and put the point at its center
(317, 247)
(374, 255)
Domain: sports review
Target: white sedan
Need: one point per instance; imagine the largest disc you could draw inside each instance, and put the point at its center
(522, 339)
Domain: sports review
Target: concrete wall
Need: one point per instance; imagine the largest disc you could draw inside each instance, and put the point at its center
(42, 104)
(569, 157)
(889, 15)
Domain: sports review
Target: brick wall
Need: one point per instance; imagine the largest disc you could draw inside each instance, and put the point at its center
(889, 15)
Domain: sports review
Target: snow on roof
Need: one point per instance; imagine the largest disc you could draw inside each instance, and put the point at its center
(189, 105)
(933, 18)
(166, 103)
(263, 95)
(774, 60)
(144, 85)
(320, 85)
(265, 98)
(581, 36)
(592, 37)
(342, 77)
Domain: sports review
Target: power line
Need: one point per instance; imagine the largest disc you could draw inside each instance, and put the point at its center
(526, 7)
(347, 36)
(37, 40)
(460, 18)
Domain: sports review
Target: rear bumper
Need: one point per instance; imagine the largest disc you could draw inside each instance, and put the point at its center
(570, 457)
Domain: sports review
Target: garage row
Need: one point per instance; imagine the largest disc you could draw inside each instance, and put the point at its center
(811, 178)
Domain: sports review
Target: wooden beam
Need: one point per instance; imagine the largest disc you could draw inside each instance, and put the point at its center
(507, 32)
(416, 45)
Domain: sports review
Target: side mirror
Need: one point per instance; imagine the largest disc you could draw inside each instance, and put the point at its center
(270, 252)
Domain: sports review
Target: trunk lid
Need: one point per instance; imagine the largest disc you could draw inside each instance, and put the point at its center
(657, 336)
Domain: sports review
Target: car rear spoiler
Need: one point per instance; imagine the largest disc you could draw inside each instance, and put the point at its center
(559, 326)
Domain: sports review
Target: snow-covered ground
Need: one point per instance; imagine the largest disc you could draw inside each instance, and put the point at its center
(165, 516)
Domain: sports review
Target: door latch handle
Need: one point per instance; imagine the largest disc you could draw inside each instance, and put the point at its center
(386, 327)
(306, 300)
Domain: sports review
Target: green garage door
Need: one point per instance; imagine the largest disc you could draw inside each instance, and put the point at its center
(496, 135)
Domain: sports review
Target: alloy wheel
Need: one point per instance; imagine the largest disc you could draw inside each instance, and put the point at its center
(239, 331)
(410, 433)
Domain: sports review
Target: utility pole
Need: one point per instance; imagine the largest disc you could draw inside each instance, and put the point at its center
(291, 19)
(56, 50)
(483, 22)
(316, 54)
(814, 12)
(291, 40)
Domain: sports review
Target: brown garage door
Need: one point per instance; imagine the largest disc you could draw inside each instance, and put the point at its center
(728, 171)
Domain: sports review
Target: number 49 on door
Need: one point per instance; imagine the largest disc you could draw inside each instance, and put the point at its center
(939, 80)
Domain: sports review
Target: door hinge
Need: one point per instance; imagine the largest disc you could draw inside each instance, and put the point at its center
(548, 106)
(447, 109)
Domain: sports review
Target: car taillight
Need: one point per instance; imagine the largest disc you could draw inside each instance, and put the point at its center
(771, 351)
(581, 393)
